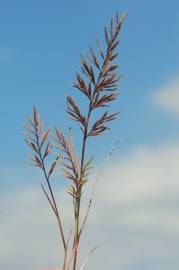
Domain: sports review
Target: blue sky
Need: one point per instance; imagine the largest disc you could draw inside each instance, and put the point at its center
(39, 54)
(40, 47)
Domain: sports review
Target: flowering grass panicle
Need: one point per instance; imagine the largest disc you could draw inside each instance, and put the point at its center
(98, 82)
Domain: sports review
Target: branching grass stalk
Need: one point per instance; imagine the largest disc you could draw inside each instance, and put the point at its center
(98, 82)
(51, 192)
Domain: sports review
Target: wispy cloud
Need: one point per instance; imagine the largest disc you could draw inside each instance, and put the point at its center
(135, 215)
(167, 96)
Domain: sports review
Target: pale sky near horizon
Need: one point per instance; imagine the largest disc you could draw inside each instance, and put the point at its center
(39, 54)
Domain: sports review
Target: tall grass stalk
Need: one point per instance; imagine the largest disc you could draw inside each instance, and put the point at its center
(98, 82)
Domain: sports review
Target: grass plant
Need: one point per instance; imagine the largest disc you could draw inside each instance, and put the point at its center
(98, 83)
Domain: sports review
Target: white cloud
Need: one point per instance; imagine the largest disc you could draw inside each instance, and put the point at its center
(167, 97)
(135, 214)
